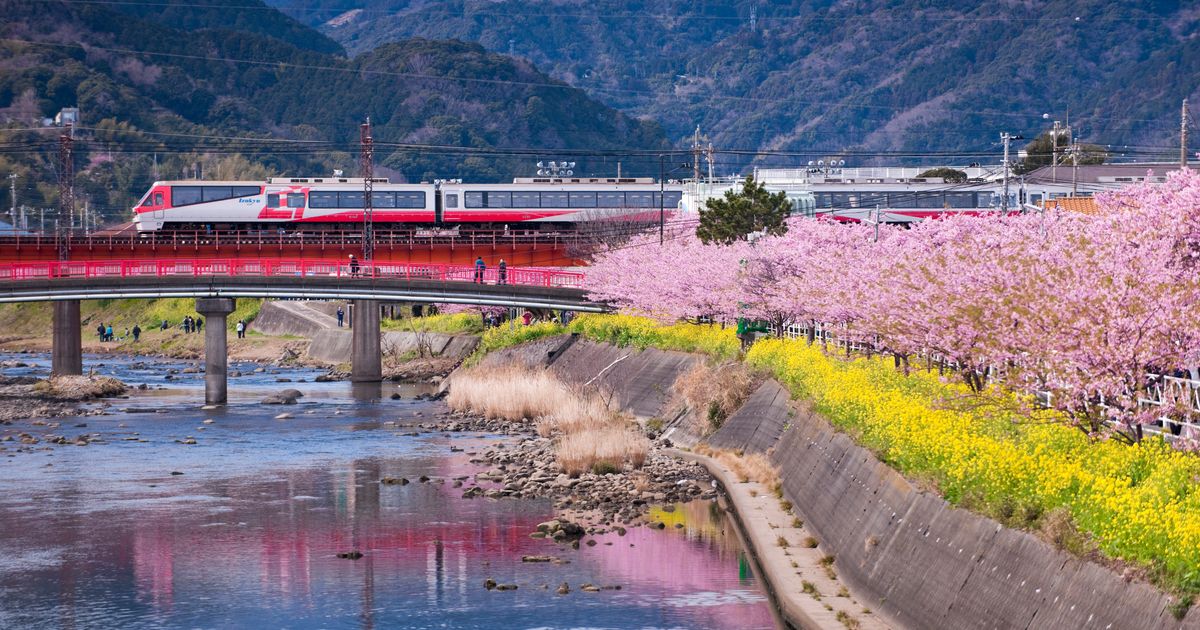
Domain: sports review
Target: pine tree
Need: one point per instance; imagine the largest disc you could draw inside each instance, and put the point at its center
(742, 213)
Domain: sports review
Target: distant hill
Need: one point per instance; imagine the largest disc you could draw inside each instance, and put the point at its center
(174, 89)
(871, 76)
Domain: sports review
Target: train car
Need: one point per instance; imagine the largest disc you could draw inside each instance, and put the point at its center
(318, 203)
(559, 202)
(290, 203)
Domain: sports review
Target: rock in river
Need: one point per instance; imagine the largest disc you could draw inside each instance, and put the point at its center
(285, 397)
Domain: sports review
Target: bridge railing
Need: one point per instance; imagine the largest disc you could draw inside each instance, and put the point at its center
(298, 267)
(327, 238)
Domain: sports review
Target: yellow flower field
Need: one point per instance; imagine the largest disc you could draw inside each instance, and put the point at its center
(1138, 503)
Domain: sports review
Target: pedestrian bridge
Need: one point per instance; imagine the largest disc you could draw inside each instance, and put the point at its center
(217, 283)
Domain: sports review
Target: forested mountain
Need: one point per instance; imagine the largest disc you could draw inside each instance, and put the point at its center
(233, 88)
(867, 76)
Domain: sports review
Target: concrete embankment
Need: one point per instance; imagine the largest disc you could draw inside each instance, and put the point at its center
(906, 554)
(331, 344)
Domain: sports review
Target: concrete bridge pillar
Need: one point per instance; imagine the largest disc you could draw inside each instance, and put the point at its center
(216, 351)
(66, 352)
(366, 361)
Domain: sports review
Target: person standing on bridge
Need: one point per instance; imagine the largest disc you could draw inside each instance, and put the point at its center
(503, 271)
(137, 332)
(479, 269)
(353, 266)
(341, 315)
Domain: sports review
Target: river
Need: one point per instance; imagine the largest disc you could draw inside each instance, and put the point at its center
(243, 528)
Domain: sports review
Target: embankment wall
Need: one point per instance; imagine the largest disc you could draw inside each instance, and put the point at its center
(915, 559)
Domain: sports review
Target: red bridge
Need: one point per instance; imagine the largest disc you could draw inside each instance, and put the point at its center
(516, 247)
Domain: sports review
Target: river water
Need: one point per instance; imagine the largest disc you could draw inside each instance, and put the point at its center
(243, 528)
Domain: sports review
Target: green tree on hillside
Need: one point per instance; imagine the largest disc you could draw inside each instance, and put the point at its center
(741, 213)
(1040, 153)
(951, 175)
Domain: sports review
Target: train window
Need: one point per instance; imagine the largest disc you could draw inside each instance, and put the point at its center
(245, 191)
(158, 199)
(639, 199)
(823, 199)
(497, 199)
(872, 199)
(526, 200)
(217, 193)
(322, 199)
(273, 200)
(929, 200)
(960, 200)
(415, 199)
(554, 200)
(451, 200)
(583, 200)
(383, 200)
(350, 199)
(185, 195)
(902, 200)
(295, 200)
(670, 200)
(843, 200)
(610, 200)
(474, 199)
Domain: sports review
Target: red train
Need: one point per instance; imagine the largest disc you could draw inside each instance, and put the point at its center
(315, 203)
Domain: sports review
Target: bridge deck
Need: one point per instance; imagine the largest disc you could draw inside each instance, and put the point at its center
(272, 278)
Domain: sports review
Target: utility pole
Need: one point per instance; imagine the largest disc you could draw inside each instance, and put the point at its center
(367, 168)
(1074, 166)
(1054, 152)
(1005, 137)
(696, 154)
(12, 180)
(66, 191)
(1183, 124)
(708, 156)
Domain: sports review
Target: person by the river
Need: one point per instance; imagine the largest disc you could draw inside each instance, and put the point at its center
(199, 324)
(480, 267)
(165, 325)
(108, 332)
(241, 329)
(100, 331)
(503, 271)
(137, 332)
(527, 317)
(187, 324)
(341, 315)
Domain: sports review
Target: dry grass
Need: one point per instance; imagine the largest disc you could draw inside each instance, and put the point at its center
(79, 387)
(601, 449)
(714, 392)
(590, 436)
(509, 392)
(753, 467)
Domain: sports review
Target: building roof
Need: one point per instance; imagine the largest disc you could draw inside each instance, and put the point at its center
(1114, 175)
(1084, 205)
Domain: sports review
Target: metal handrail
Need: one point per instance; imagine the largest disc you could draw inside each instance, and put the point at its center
(276, 267)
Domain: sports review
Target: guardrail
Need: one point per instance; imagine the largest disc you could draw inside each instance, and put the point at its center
(349, 238)
(251, 267)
